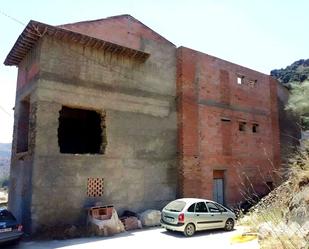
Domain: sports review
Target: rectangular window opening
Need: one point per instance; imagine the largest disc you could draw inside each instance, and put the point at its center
(81, 131)
(242, 126)
(240, 80)
(252, 83)
(225, 120)
(23, 126)
(255, 128)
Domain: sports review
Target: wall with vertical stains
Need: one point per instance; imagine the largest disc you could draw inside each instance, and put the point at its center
(211, 106)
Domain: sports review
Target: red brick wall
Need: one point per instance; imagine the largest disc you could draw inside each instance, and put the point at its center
(26, 75)
(207, 91)
(124, 30)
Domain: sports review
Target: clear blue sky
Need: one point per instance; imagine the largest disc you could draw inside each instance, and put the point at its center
(258, 34)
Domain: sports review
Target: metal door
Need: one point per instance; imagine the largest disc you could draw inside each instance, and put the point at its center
(218, 193)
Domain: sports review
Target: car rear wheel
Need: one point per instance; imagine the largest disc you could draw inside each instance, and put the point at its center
(189, 230)
(229, 225)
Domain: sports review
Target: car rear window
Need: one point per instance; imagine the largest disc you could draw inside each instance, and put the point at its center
(175, 206)
(6, 215)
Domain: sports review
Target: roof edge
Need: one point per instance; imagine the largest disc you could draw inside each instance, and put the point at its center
(35, 30)
(217, 58)
(116, 17)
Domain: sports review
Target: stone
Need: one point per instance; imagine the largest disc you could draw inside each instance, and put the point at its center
(150, 218)
(131, 223)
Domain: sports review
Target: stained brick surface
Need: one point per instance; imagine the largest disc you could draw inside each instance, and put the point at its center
(207, 91)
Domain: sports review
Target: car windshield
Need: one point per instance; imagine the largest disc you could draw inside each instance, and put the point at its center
(175, 206)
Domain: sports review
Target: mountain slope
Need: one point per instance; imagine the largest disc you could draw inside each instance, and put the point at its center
(297, 72)
(5, 158)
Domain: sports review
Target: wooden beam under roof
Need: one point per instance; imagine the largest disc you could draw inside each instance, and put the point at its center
(35, 30)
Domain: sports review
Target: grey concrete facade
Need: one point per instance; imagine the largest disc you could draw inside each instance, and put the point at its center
(138, 101)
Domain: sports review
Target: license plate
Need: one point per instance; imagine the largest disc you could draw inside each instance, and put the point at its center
(169, 219)
(3, 230)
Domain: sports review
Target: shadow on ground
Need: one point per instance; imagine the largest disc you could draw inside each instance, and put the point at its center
(197, 234)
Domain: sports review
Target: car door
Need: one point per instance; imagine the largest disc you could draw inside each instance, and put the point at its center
(202, 216)
(217, 218)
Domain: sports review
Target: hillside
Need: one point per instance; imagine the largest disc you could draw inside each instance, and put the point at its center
(281, 219)
(5, 157)
(297, 72)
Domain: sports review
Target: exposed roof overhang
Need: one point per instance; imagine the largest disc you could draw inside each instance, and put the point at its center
(34, 31)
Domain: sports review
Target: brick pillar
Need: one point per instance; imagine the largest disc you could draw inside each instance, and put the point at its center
(188, 124)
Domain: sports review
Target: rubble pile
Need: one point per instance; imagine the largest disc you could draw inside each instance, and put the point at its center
(104, 220)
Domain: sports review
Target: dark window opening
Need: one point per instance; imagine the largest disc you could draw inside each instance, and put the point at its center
(252, 83)
(255, 128)
(23, 126)
(81, 131)
(225, 120)
(242, 126)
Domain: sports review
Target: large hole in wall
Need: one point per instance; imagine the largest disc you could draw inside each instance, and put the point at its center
(23, 126)
(81, 131)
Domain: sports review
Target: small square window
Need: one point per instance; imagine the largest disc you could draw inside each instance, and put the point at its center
(255, 128)
(240, 80)
(242, 126)
(252, 83)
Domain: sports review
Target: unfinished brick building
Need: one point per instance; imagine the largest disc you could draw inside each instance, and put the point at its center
(100, 106)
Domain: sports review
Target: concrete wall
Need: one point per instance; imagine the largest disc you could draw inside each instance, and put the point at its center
(20, 190)
(207, 91)
(139, 164)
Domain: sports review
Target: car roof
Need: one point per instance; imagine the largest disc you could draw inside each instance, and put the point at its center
(192, 200)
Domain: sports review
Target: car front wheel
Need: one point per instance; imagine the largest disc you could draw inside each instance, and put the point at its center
(189, 230)
(229, 225)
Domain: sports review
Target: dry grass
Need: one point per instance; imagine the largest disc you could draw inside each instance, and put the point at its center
(275, 217)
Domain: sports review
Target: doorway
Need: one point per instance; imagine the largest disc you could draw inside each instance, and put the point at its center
(218, 186)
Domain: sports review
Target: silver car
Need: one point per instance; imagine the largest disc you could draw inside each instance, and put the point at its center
(188, 215)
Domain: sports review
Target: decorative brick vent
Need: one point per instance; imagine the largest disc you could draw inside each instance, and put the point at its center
(95, 187)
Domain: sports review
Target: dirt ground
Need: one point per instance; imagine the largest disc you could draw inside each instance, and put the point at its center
(147, 238)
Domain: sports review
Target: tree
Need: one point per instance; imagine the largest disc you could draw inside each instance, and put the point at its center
(299, 102)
